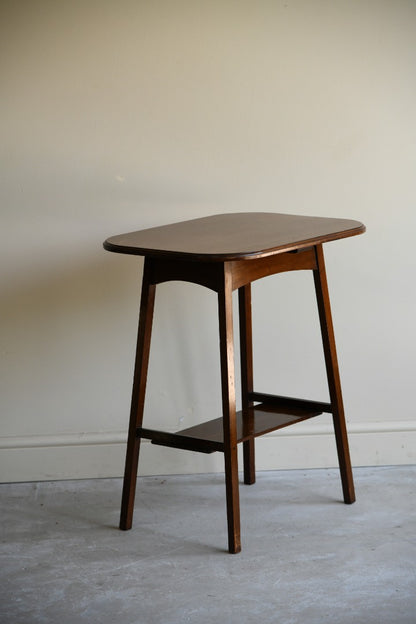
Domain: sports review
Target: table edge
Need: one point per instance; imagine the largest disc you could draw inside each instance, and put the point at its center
(208, 257)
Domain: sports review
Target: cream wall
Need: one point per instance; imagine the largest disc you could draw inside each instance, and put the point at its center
(124, 115)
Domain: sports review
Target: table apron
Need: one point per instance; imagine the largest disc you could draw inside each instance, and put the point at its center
(211, 274)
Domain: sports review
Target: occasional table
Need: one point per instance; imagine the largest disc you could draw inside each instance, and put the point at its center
(224, 253)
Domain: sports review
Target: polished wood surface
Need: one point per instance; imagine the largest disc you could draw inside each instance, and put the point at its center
(209, 274)
(229, 416)
(332, 370)
(225, 253)
(138, 397)
(246, 363)
(208, 437)
(233, 236)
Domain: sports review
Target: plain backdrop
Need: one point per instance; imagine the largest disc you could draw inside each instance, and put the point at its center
(122, 115)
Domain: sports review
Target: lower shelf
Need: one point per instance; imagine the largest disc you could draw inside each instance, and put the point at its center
(208, 437)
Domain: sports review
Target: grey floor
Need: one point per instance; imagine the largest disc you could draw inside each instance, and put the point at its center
(307, 557)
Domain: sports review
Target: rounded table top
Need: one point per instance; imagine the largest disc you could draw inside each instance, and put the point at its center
(233, 236)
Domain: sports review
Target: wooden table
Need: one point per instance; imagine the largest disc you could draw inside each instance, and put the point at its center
(227, 252)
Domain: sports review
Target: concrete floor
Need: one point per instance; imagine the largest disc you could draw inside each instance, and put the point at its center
(307, 558)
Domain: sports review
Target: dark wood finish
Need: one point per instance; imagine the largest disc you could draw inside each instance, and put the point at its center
(246, 272)
(193, 439)
(202, 273)
(234, 236)
(334, 383)
(138, 396)
(246, 361)
(208, 437)
(284, 402)
(225, 314)
(224, 253)
(243, 272)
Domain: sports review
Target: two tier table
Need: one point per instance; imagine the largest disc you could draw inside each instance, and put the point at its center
(224, 253)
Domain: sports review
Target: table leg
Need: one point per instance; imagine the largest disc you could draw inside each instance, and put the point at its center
(246, 358)
(138, 396)
(328, 339)
(229, 412)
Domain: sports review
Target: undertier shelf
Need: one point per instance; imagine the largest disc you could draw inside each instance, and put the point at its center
(208, 437)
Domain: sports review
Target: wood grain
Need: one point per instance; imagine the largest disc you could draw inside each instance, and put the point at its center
(233, 236)
(224, 253)
(138, 397)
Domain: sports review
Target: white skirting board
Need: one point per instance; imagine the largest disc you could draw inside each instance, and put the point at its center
(95, 455)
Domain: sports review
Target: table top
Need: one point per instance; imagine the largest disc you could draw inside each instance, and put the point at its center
(233, 236)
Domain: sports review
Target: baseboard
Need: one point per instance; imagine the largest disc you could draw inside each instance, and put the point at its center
(95, 455)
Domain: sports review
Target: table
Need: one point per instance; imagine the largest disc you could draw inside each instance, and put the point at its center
(224, 253)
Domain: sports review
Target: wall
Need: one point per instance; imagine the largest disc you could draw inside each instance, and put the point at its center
(124, 115)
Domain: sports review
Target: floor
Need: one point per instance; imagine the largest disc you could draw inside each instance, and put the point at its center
(306, 558)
